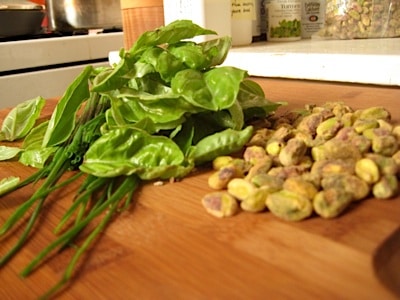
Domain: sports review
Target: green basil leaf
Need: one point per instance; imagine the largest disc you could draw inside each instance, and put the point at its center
(149, 87)
(184, 136)
(21, 119)
(237, 116)
(190, 54)
(233, 118)
(113, 78)
(201, 56)
(34, 139)
(224, 142)
(62, 121)
(214, 90)
(34, 154)
(36, 157)
(166, 64)
(216, 50)
(191, 85)
(224, 84)
(7, 184)
(147, 125)
(139, 70)
(165, 110)
(127, 151)
(169, 34)
(166, 172)
(7, 152)
(251, 95)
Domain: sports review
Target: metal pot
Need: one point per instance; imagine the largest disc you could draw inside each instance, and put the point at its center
(70, 16)
(20, 18)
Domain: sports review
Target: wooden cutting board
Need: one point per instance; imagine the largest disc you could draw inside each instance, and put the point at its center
(167, 247)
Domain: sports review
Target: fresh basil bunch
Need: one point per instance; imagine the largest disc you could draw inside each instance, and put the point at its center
(167, 92)
(177, 88)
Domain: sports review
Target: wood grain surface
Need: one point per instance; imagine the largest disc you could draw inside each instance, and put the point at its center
(167, 247)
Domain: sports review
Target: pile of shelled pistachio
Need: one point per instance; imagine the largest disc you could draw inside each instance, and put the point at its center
(319, 160)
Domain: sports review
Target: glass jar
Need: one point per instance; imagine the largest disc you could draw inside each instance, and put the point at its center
(283, 20)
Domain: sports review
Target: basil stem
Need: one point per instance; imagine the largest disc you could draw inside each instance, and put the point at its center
(129, 183)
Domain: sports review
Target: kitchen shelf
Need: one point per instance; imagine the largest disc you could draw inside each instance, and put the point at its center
(369, 61)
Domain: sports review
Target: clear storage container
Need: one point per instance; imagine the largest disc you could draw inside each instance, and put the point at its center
(243, 16)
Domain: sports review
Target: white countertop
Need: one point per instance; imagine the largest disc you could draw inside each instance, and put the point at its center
(370, 61)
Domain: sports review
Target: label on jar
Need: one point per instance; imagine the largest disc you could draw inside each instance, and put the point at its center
(312, 17)
(243, 10)
(283, 20)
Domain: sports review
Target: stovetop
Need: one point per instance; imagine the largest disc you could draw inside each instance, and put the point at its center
(29, 37)
(49, 34)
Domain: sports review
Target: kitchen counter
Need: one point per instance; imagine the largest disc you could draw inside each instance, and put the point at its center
(167, 247)
(370, 61)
